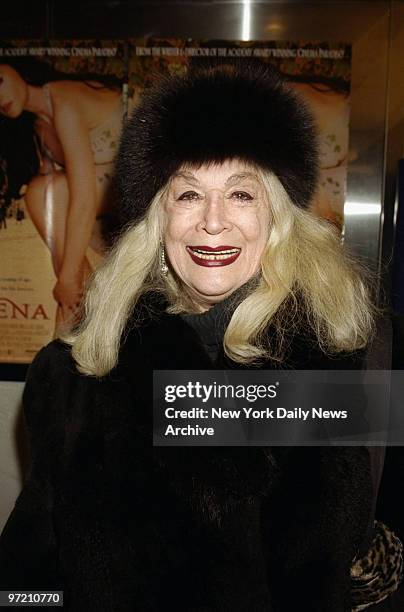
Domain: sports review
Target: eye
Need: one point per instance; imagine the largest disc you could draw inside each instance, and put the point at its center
(189, 195)
(241, 196)
(1, 80)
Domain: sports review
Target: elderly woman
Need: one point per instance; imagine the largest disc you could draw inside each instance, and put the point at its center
(219, 266)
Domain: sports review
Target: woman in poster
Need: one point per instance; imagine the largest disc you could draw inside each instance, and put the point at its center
(330, 104)
(67, 128)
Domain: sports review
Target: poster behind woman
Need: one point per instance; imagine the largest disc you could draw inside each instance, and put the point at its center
(61, 111)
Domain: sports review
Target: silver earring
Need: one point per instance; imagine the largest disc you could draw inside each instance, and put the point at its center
(163, 263)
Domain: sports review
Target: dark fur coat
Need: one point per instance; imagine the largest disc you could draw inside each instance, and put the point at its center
(120, 526)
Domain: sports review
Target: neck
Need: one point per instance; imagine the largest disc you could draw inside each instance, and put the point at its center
(35, 102)
(202, 305)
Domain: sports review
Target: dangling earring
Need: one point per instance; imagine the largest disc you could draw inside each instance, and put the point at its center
(163, 263)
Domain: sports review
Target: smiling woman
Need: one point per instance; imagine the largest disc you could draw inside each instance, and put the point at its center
(219, 266)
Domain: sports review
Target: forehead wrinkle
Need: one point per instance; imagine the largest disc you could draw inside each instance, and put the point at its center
(239, 176)
(188, 176)
(231, 180)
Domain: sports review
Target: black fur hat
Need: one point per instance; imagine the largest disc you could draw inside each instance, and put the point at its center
(230, 110)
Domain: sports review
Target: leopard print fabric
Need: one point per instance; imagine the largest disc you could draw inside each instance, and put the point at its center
(378, 574)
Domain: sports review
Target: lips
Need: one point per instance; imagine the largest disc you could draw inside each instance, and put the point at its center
(6, 108)
(209, 257)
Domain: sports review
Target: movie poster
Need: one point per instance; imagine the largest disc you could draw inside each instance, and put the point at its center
(321, 72)
(62, 107)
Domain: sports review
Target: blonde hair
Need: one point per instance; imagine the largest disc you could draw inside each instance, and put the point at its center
(305, 273)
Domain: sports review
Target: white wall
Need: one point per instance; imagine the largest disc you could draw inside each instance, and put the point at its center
(13, 446)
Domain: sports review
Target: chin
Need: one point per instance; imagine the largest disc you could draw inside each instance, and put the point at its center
(214, 293)
(14, 114)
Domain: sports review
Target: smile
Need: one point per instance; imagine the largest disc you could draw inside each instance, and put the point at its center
(213, 257)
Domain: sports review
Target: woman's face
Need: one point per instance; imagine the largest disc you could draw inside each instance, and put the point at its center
(13, 92)
(217, 225)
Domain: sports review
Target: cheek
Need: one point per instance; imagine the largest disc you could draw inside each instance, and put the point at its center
(177, 226)
(10, 90)
(174, 243)
(256, 228)
(16, 91)
(172, 234)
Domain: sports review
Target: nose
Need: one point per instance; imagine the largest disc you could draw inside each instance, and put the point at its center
(213, 217)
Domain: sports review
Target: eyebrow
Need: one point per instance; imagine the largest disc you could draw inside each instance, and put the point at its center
(232, 180)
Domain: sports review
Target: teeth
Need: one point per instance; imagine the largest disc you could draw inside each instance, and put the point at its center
(218, 252)
(218, 255)
(213, 257)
